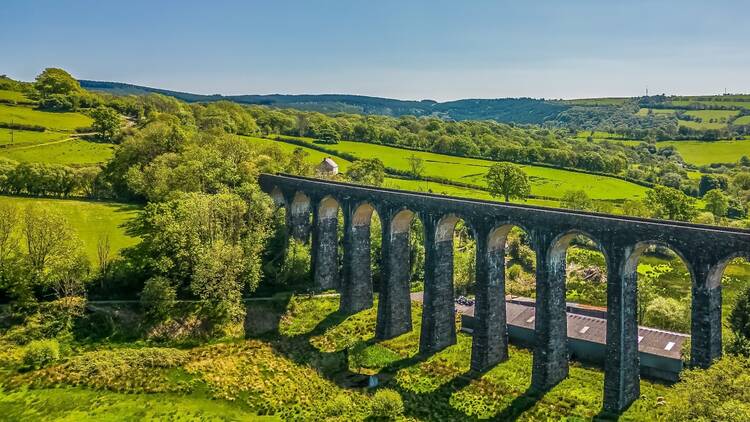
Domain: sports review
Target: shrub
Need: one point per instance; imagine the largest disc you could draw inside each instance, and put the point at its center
(387, 403)
(739, 319)
(718, 393)
(668, 314)
(158, 298)
(341, 405)
(39, 353)
(296, 267)
(514, 272)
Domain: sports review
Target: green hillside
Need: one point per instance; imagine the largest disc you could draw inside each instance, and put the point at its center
(90, 220)
(546, 182)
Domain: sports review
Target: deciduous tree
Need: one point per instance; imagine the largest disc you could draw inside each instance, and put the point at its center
(507, 180)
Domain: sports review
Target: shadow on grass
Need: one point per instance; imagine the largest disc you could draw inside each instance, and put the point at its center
(434, 405)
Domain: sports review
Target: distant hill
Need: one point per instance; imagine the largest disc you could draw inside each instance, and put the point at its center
(506, 110)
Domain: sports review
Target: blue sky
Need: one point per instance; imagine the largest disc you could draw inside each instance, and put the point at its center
(433, 49)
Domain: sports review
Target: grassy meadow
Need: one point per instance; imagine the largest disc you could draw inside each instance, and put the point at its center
(90, 220)
(23, 138)
(12, 96)
(704, 153)
(545, 182)
(315, 157)
(50, 120)
(73, 152)
(742, 120)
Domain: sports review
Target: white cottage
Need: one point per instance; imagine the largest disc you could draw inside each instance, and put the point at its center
(327, 167)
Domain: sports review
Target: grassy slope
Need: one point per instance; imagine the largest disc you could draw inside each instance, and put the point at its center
(12, 95)
(74, 404)
(316, 157)
(545, 181)
(744, 120)
(54, 121)
(701, 153)
(76, 152)
(60, 125)
(89, 219)
(310, 337)
(24, 138)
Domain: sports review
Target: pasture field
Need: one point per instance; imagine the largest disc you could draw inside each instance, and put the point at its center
(74, 152)
(598, 101)
(89, 219)
(54, 121)
(703, 153)
(685, 103)
(316, 157)
(742, 120)
(23, 138)
(546, 182)
(12, 96)
(656, 111)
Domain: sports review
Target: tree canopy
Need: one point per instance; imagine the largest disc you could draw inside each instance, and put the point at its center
(507, 180)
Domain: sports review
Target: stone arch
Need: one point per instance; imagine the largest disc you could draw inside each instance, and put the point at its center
(299, 216)
(328, 208)
(445, 227)
(717, 271)
(630, 266)
(401, 221)
(326, 244)
(357, 286)
(278, 197)
(562, 242)
(300, 203)
(362, 214)
(394, 302)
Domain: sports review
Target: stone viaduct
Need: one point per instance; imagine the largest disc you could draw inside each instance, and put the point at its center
(706, 251)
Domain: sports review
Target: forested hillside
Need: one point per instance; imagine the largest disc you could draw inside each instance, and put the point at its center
(656, 117)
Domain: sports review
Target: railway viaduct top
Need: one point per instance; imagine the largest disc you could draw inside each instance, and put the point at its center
(312, 209)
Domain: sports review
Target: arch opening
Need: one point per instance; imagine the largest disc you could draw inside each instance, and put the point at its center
(278, 197)
(519, 259)
(452, 230)
(664, 283)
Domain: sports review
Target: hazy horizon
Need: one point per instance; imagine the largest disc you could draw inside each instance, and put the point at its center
(420, 50)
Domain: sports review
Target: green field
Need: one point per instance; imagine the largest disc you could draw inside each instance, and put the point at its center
(598, 101)
(685, 103)
(12, 96)
(742, 120)
(23, 138)
(54, 121)
(316, 157)
(704, 153)
(75, 152)
(89, 219)
(656, 111)
(546, 182)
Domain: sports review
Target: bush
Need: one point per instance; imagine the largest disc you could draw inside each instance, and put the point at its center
(514, 272)
(668, 314)
(341, 405)
(296, 267)
(718, 393)
(739, 318)
(158, 298)
(387, 403)
(40, 353)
